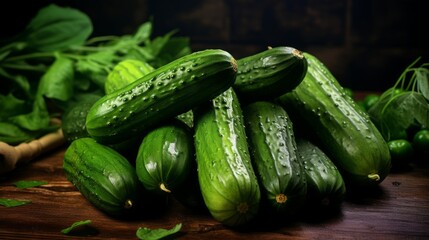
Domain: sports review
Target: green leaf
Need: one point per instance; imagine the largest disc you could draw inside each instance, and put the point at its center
(422, 78)
(11, 106)
(35, 120)
(13, 135)
(394, 114)
(57, 82)
(158, 43)
(74, 226)
(29, 183)
(57, 28)
(153, 234)
(96, 66)
(173, 49)
(143, 33)
(20, 83)
(7, 202)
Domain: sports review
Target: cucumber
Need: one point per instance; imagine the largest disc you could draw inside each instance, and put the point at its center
(126, 72)
(227, 180)
(103, 176)
(187, 118)
(275, 157)
(166, 92)
(269, 74)
(342, 130)
(325, 185)
(73, 121)
(165, 156)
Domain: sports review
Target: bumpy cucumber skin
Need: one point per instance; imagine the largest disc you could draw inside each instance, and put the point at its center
(165, 156)
(187, 118)
(166, 92)
(344, 131)
(228, 182)
(269, 74)
(275, 157)
(103, 176)
(325, 185)
(124, 73)
(73, 121)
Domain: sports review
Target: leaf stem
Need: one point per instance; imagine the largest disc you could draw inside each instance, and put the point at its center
(24, 67)
(30, 56)
(101, 39)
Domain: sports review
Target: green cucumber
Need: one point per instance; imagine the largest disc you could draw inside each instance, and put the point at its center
(165, 156)
(124, 73)
(166, 92)
(325, 185)
(227, 180)
(274, 155)
(103, 176)
(269, 74)
(343, 130)
(187, 118)
(73, 121)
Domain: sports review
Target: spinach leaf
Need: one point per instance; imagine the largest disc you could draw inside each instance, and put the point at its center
(154, 234)
(10, 106)
(35, 120)
(7, 202)
(96, 66)
(57, 28)
(29, 183)
(52, 62)
(12, 134)
(19, 83)
(57, 82)
(74, 226)
(143, 32)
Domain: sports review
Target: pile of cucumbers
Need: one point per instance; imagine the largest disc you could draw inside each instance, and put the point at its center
(270, 132)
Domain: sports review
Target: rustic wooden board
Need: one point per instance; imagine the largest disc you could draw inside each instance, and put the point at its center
(399, 209)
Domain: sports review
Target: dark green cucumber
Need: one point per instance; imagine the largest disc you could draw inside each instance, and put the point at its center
(166, 92)
(343, 130)
(126, 72)
(274, 155)
(187, 118)
(269, 74)
(325, 184)
(74, 118)
(165, 156)
(103, 176)
(73, 122)
(228, 182)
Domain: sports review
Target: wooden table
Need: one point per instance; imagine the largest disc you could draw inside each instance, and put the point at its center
(399, 209)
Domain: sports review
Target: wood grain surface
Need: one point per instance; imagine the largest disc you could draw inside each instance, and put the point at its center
(398, 209)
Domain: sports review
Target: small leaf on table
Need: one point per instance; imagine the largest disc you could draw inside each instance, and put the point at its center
(7, 202)
(159, 233)
(29, 184)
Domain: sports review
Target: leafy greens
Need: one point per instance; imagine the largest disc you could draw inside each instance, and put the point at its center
(50, 65)
(405, 104)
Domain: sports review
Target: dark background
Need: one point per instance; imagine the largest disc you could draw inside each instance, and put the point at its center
(366, 44)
